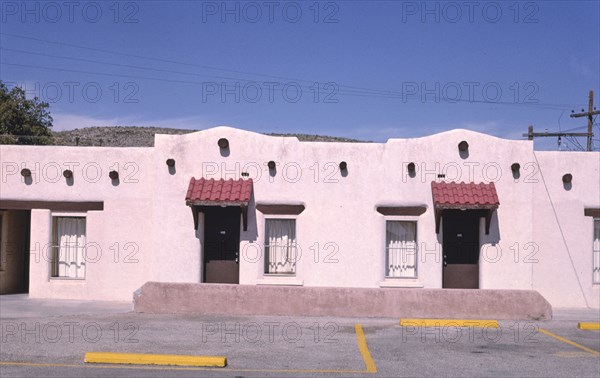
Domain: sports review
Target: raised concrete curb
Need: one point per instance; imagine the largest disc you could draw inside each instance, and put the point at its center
(190, 298)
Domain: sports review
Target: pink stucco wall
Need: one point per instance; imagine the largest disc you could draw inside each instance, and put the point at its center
(146, 211)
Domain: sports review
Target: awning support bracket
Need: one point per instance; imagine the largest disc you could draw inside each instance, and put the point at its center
(488, 220)
(438, 218)
(245, 217)
(197, 209)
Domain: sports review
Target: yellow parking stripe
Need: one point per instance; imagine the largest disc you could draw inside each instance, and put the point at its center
(154, 359)
(590, 326)
(360, 337)
(569, 342)
(449, 323)
(364, 349)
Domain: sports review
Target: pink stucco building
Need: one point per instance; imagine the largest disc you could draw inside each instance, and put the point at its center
(457, 209)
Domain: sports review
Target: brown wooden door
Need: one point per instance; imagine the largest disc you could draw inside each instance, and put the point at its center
(461, 249)
(221, 244)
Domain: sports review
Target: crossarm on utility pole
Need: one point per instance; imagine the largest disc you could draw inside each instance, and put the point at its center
(591, 112)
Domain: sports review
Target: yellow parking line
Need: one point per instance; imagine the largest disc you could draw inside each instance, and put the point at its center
(569, 342)
(449, 323)
(153, 359)
(360, 337)
(364, 349)
(590, 326)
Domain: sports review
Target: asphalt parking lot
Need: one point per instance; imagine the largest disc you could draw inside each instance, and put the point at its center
(37, 339)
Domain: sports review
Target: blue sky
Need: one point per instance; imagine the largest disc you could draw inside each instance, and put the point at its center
(370, 70)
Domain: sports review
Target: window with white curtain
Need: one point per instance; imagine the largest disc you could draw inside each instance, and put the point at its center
(596, 249)
(68, 252)
(280, 246)
(401, 249)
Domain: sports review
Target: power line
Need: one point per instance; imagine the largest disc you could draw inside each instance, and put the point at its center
(99, 73)
(352, 91)
(146, 77)
(568, 134)
(574, 128)
(180, 63)
(147, 68)
(345, 93)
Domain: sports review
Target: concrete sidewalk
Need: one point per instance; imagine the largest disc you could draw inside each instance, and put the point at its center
(21, 306)
(576, 314)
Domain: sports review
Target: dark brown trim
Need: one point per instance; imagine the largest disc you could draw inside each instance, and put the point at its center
(216, 203)
(401, 210)
(280, 209)
(51, 205)
(592, 212)
(475, 206)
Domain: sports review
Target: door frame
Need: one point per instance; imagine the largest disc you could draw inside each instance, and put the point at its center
(468, 216)
(210, 212)
(15, 236)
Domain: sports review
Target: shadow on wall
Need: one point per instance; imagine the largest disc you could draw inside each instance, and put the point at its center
(494, 236)
(252, 233)
(225, 152)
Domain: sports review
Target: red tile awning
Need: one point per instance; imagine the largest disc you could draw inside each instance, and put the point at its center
(211, 192)
(220, 192)
(464, 196)
(453, 195)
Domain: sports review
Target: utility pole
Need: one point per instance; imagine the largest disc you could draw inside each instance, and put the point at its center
(530, 134)
(591, 112)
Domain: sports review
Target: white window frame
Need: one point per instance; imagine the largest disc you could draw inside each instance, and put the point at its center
(411, 219)
(595, 255)
(54, 263)
(265, 244)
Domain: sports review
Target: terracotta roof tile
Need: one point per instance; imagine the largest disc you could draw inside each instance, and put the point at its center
(219, 191)
(464, 195)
